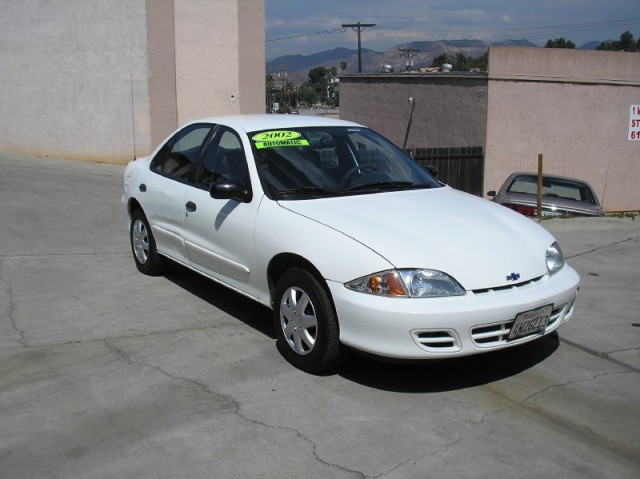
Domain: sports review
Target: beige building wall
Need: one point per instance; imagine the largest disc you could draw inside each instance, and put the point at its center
(572, 106)
(74, 78)
(220, 57)
(104, 80)
(432, 110)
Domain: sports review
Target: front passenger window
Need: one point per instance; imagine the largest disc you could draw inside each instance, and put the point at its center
(225, 161)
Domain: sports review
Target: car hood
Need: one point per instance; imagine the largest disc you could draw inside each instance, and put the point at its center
(476, 241)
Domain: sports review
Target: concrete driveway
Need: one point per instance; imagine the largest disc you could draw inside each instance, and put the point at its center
(108, 373)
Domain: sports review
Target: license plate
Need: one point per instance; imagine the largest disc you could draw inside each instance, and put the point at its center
(530, 322)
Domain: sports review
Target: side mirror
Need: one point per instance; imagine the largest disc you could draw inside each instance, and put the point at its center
(491, 193)
(432, 169)
(230, 191)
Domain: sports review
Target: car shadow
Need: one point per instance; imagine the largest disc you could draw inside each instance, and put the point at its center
(234, 304)
(411, 377)
(448, 374)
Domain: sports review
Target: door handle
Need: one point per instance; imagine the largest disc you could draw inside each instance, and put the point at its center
(191, 206)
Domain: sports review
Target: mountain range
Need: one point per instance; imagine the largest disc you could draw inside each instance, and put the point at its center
(422, 54)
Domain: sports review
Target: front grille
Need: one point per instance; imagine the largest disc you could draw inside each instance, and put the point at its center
(436, 341)
(508, 287)
(496, 334)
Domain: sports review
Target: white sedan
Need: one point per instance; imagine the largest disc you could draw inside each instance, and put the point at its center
(347, 239)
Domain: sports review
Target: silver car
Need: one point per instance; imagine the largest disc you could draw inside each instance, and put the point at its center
(560, 196)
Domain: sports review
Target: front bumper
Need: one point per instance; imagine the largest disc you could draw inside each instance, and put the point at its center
(424, 328)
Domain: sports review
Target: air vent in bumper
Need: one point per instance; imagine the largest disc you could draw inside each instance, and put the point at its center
(436, 341)
(496, 334)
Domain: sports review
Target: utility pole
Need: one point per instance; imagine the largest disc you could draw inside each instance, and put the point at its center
(409, 54)
(282, 74)
(359, 27)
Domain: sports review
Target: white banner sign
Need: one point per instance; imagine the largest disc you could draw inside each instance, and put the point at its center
(634, 123)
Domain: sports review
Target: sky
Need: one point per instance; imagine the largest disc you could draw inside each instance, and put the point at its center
(311, 26)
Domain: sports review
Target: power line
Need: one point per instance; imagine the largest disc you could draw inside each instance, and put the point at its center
(581, 26)
(575, 27)
(324, 32)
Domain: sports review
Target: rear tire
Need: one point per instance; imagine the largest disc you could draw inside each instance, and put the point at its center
(306, 323)
(143, 246)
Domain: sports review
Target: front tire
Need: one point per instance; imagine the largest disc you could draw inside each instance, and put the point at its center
(306, 323)
(143, 246)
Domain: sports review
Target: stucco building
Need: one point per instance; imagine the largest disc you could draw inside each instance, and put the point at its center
(105, 80)
(571, 106)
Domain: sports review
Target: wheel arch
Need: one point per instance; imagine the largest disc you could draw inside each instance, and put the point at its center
(133, 205)
(282, 262)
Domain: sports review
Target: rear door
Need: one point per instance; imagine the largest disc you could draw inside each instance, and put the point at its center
(163, 198)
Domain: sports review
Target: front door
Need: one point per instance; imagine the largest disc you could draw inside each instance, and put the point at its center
(219, 233)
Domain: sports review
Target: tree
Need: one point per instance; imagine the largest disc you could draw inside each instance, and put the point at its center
(441, 60)
(461, 62)
(270, 90)
(307, 94)
(625, 44)
(481, 63)
(560, 43)
(317, 75)
(318, 82)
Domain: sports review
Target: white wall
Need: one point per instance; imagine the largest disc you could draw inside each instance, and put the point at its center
(73, 76)
(92, 79)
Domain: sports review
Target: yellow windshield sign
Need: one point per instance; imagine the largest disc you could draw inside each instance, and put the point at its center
(278, 138)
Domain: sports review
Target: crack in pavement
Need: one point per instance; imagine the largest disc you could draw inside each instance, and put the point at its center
(601, 355)
(577, 381)
(624, 350)
(447, 446)
(599, 248)
(137, 334)
(12, 307)
(473, 424)
(235, 406)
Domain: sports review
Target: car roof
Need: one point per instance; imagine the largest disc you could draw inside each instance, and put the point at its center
(248, 123)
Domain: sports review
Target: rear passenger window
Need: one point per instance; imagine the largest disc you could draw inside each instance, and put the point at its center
(179, 156)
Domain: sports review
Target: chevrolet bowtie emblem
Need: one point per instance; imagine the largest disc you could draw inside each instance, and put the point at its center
(513, 277)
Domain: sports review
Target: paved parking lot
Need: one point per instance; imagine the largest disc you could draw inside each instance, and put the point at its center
(108, 373)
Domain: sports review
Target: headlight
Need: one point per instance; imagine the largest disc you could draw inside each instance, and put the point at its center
(555, 258)
(412, 283)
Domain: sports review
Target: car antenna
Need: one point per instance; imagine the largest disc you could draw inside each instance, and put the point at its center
(133, 119)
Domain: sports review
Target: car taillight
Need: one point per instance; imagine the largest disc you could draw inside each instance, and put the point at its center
(523, 210)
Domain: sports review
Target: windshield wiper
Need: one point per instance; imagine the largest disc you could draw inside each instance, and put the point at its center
(307, 191)
(389, 185)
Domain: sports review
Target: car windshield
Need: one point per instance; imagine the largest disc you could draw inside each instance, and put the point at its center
(303, 163)
(553, 188)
